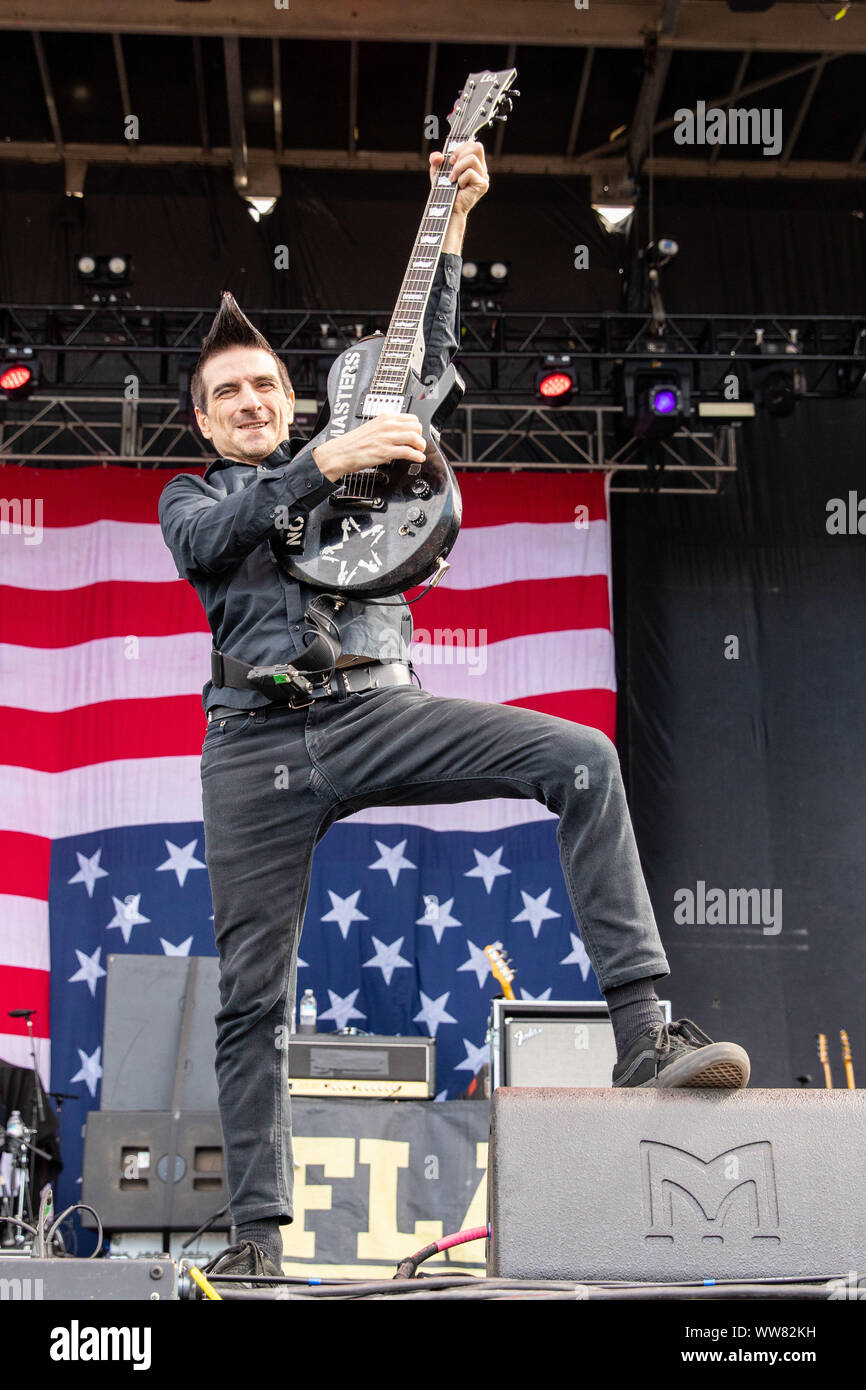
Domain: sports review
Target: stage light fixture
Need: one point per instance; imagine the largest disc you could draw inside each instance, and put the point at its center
(260, 207)
(486, 277)
(13, 379)
(664, 400)
(778, 385)
(75, 172)
(656, 398)
(103, 270)
(612, 195)
(776, 392)
(19, 373)
(556, 379)
(261, 188)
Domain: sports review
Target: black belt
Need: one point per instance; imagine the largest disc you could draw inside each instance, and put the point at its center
(349, 679)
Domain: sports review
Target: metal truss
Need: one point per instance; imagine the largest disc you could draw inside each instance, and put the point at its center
(108, 345)
(81, 430)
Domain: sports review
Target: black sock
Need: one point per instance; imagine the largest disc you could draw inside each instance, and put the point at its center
(634, 1009)
(265, 1234)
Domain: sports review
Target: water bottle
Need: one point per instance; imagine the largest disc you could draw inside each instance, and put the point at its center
(14, 1131)
(307, 1013)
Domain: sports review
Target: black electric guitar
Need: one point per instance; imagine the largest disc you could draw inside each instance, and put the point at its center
(387, 528)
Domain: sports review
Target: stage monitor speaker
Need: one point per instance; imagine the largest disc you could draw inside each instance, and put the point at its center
(128, 1160)
(160, 1035)
(656, 1185)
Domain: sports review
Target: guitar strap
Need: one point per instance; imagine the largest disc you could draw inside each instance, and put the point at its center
(322, 650)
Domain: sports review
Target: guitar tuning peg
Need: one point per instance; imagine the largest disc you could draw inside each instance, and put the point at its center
(514, 92)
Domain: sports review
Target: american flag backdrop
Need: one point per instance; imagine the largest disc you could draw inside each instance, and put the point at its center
(103, 653)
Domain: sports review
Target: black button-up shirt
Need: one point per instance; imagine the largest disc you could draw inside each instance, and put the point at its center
(218, 528)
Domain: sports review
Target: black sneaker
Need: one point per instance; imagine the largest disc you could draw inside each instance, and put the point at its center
(245, 1258)
(680, 1054)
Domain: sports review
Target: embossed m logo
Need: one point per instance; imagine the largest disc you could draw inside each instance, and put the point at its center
(718, 1197)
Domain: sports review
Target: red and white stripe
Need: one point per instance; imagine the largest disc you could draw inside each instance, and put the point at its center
(104, 651)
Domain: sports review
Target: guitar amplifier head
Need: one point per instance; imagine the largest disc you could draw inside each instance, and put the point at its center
(372, 1066)
(553, 1042)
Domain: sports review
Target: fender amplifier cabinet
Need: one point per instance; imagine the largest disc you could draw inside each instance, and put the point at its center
(553, 1042)
(365, 1066)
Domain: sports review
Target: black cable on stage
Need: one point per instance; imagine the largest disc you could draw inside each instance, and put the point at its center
(471, 1287)
(78, 1206)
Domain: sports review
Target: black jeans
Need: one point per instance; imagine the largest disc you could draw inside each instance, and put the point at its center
(275, 780)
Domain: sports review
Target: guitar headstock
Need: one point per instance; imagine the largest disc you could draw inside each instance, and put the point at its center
(484, 99)
(822, 1047)
(501, 967)
(846, 1046)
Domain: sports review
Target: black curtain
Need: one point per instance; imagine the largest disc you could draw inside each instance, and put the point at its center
(750, 246)
(748, 772)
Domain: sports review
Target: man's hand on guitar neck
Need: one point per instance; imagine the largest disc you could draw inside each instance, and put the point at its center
(469, 172)
(377, 441)
(392, 436)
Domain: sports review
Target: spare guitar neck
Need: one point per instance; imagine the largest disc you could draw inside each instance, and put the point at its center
(502, 968)
(387, 528)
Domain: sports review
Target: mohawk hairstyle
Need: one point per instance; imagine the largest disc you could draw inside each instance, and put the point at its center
(230, 329)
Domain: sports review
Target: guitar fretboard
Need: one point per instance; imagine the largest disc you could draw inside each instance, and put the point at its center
(392, 371)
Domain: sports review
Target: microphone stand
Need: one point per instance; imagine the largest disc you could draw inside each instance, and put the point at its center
(37, 1110)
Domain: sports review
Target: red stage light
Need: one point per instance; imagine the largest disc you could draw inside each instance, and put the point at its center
(13, 378)
(555, 384)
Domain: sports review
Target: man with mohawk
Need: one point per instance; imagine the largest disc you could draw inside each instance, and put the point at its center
(367, 738)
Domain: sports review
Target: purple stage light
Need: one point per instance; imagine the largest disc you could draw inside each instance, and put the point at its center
(663, 401)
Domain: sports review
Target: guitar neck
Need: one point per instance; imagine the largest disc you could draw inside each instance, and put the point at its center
(404, 331)
(482, 101)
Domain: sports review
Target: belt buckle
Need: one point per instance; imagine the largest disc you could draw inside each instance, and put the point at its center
(305, 705)
(359, 690)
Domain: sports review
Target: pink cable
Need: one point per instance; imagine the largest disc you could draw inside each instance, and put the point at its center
(462, 1237)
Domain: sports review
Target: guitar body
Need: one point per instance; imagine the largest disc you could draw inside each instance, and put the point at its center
(405, 516)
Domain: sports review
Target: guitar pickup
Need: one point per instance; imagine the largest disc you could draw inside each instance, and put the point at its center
(370, 504)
